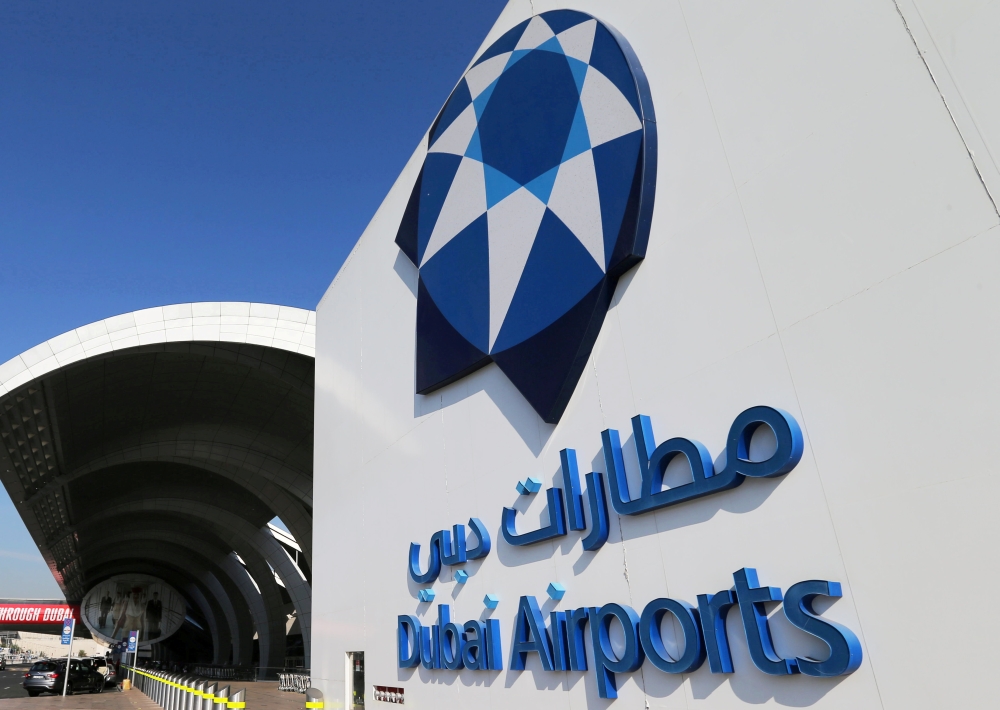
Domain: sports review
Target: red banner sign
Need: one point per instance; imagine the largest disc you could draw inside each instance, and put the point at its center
(37, 613)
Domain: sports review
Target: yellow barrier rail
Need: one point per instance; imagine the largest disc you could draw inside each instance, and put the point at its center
(235, 704)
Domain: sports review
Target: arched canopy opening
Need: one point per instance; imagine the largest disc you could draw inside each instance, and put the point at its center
(164, 442)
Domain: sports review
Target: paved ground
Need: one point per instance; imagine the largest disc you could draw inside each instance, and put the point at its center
(266, 696)
(260, 696)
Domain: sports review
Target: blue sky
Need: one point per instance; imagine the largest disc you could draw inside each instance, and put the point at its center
(163, 152)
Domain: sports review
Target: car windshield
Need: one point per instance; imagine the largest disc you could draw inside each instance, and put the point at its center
(44, 666)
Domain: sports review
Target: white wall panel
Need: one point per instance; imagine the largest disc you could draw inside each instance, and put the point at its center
(822, 242)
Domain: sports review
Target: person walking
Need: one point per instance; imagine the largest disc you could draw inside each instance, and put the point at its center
(117, 613)
(154, 613)
(135, 611)
(106, 604)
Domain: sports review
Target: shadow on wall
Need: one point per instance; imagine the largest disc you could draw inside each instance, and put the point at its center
(534, 432)
(752, 686)
(519, 414)
(747, 683)
(747, 497)
(471, 567)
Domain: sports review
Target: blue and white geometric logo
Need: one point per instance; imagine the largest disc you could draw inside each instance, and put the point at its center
(535, 196)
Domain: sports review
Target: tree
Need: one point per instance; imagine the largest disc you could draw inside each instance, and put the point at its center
(82, 654)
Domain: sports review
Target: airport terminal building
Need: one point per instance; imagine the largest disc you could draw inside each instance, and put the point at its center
(660, 379)
(683, 305)
(147, 454)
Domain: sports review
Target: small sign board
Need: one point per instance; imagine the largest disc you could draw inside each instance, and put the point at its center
(67, 631)
(133, 637)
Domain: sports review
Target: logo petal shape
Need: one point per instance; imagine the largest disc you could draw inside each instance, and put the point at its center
(535, 196)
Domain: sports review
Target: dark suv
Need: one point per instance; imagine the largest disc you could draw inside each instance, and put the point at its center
(48, 677)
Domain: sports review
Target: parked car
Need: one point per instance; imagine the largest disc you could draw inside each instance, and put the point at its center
(49, 676)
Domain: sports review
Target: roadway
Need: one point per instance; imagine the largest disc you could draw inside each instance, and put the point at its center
(10, 682)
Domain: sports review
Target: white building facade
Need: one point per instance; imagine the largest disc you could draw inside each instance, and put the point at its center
(823, 249)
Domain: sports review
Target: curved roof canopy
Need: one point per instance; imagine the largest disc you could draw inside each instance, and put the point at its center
(164, 441)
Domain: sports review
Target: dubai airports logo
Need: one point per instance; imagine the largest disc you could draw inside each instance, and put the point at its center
(535, 196)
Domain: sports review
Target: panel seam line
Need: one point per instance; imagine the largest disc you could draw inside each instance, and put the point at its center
(944, 100)
(784, 354)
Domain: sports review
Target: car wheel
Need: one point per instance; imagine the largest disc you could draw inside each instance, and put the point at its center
(99, 688)
(32, 693)
(69, 689)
